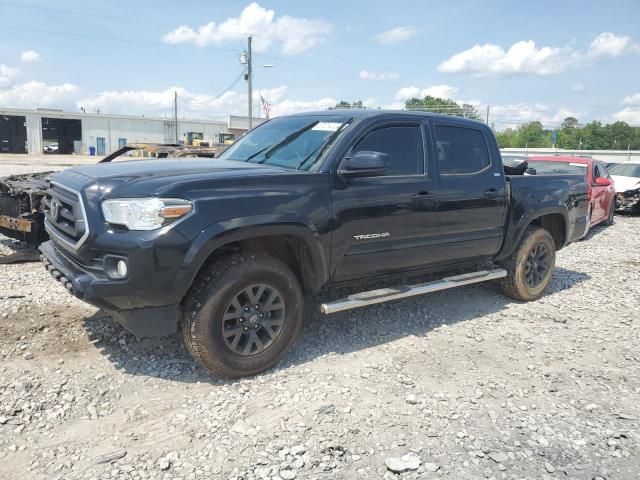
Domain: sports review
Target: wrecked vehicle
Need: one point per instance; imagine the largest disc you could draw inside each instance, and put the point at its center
(627, 179)
(22, 213)
(21, 208)
(601, 191)
(303, 204)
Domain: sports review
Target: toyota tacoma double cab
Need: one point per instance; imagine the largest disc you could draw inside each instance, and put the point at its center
(226, 249)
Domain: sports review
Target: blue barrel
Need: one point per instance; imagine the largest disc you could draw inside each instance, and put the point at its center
(92, 151)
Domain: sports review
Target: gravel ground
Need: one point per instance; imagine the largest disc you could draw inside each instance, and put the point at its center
(460, 384)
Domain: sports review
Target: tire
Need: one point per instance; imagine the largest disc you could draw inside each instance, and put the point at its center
(218, 302)
(612, 210)
(525, 281)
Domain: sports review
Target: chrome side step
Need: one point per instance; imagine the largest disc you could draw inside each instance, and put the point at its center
(386, 294)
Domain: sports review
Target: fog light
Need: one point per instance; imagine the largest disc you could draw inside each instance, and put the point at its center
(122, 268)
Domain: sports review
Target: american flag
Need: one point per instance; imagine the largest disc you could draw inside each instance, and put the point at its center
(265, 106)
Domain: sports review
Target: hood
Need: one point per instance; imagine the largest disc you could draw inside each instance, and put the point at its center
(175, 167)
(623, 184)
(156, 177)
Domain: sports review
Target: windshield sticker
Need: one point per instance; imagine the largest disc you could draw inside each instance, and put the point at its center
(327, 126)
(583, 165)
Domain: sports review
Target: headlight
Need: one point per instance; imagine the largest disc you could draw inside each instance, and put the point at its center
(145, 213)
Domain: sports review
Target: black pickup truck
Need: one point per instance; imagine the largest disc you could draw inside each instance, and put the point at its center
(227, 248)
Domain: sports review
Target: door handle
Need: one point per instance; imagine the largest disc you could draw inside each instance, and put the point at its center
(424, 195)
(492, 193)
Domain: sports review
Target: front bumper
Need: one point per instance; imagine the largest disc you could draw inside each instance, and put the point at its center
(628, 203)
(152, 320)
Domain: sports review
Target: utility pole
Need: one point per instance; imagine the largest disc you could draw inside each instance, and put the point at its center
(249, 83)
(175, 112)
(488, 114)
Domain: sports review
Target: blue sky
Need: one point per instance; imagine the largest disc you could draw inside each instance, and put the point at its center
(528, 61)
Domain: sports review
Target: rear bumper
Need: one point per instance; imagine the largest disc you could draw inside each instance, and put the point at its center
(106, 294)
(26, 229)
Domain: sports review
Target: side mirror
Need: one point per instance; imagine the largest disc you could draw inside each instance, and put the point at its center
(603, 182)
(364, 164)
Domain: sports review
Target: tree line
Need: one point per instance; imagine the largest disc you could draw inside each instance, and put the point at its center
(572, 135)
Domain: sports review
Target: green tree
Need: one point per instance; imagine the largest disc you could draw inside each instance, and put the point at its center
(533, 134)
(573, 136)
(442, 105)
(508, 138)
(345, 104)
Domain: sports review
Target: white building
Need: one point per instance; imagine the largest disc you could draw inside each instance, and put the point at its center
(46, 130)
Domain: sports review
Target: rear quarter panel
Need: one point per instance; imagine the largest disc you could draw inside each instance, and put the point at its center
(533, 196)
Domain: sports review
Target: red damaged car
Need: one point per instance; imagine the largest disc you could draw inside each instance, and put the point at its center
(600, 188)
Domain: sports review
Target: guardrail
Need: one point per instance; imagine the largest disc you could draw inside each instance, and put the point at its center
(608, 156)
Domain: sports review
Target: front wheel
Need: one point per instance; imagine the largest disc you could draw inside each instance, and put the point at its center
(242, 314)
(530, 267)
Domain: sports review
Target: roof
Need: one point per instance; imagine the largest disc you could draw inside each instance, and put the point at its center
(563, 158)
(367, 112)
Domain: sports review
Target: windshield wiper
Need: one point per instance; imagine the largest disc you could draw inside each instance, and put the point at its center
(253, 155)
(272, 149)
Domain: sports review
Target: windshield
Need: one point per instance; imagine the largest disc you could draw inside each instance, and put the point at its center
(289, 142)
(556, 168)
(626, 170)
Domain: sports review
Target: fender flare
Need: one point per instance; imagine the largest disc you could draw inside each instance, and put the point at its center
(514, 234)
(222, 233)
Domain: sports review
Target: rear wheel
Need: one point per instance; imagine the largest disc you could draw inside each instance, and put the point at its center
(530, 267)
(242, 314)
(612, 211)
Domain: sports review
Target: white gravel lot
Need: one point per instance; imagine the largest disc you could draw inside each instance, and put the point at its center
(461, 384)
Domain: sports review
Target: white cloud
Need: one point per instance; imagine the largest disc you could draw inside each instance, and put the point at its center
(521, 57)
(134, 100)
(608, 44)
(194, 105)
(629, 115)
(525, 57)
(38, 94)
(394, 106)
(381, 76)
(578, 87)
(511, 115)
(631, 99)
(405, 93)
(440, 91)
(395, 35)
(296, 34)
(295, 106)
(7, 74)
(30, 56)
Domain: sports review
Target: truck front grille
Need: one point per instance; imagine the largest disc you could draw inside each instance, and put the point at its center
(65, 218)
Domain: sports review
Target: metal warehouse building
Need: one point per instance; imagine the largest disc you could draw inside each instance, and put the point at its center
(56, 131)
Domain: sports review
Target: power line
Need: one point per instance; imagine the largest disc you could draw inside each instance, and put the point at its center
(84, 14)
(233, 84)
(147, 22)
(99, 37)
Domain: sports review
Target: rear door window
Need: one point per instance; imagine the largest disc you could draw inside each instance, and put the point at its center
(461, 150)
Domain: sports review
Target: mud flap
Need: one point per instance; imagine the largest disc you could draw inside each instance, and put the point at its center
(149, 322)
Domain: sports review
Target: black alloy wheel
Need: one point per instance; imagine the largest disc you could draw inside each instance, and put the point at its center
(537, 265)
(253, 320)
